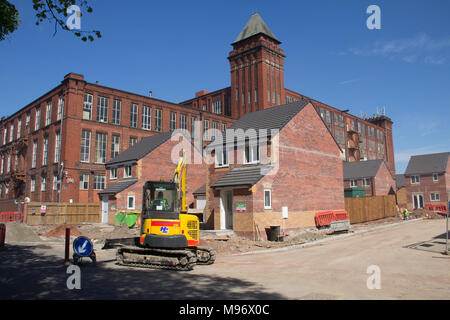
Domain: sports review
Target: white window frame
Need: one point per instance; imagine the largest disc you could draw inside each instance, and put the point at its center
(353, 183)
(437, 177)
(134, 202)
(270, 199)
(55, 182)
(251, 153)
(146, 118)
(34, 155)
(32, 185)
(366, 182)
(99, 179)
(117, 111)
(43, 183)
(415, 179)
(45, 151)
(113, 173)
(101, 146)
(85, 152)
(83, 181)
(11, 132)
(102, 109)
(158, 120)
(60, 107)
(127, 172)
(437, 196)
(48, 114)
(87, 106)
(173, 120)
(222, 158)
(134, 115)
(115, 145)
(19, 129)
(57, 147)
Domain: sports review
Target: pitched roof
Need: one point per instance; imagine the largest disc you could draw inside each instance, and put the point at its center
(253, 27)
(243, 176)
(140, 149)
(119, 186)
(201, 190)
(400, 180)
(268, 119)
(427, 163)
(361, 169)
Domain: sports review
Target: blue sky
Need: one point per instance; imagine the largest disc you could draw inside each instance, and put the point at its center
(176, 48)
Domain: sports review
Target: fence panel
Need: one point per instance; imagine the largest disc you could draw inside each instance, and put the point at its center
(57, 213)
(363, 209)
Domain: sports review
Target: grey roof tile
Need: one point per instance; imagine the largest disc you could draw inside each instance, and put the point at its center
(361, 169)
(140, 149)
(243, 176)
(253, 27)
(427, 163)
(119, 186)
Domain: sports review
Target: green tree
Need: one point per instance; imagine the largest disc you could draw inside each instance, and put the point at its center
(53, 11)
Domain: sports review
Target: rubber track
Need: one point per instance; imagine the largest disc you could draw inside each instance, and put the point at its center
(211, 252)
(140, 252)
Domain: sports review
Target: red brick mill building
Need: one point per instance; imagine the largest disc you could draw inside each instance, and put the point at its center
(56, 147)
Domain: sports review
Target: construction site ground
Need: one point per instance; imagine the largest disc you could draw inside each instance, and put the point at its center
(408, 254)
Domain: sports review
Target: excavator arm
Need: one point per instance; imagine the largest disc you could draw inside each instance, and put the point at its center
(179, 178)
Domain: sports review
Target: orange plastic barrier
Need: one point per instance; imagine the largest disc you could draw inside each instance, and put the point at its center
(439, 208)
(324, 218)
(10, 217)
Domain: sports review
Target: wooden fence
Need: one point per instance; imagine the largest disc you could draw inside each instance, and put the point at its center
(56, 213)
(364, 209)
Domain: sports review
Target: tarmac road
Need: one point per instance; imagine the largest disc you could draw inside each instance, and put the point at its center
(407, 256)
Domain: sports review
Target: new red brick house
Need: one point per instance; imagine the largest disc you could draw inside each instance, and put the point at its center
(297, 165)
(153, 158)
(427, 180)
(373, 175)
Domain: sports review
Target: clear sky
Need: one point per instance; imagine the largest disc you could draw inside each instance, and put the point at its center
(176, 48)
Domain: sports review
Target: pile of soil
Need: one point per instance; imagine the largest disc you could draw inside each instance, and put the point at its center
(18, 232)
(61, 231)
(426, 214)
(121, 232)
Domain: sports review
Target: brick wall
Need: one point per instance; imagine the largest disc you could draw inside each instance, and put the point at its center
(384, 181)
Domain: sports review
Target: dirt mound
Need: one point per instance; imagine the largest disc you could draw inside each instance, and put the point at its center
(426, 214)
(61, 231)
(121, 232)
(18, 232)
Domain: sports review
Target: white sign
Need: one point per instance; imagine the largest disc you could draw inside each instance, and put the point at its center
(285, 212)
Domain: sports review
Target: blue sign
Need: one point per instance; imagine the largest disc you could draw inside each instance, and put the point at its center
(164, 229)
(83, 246)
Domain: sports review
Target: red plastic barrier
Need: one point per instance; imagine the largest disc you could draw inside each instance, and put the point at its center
(439, 208)
(325, 218)
(10, 217)
(2, 234)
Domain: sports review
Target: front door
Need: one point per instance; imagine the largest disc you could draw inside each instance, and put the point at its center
(105, 209)
(418, 201)
(226, 209)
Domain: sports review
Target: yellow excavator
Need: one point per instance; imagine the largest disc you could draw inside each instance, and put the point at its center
(169, 236)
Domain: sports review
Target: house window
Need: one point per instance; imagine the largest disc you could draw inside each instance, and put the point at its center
(48, 114)
(205, 130)
(158, 120)
(33, 185)
(131, 202)
(99, 182)
(57, 147)
(117, 108)
(102, 109)
(37, 120)
(127, 172)
(366, 182)
(60, 107)
(87, 107)
(173, 121)
(183, 122)
(267, 199)
(34, 158)
(19, 128)
(45, 152)
(84, 181)
(85, 153)
(134, 115)
(251, 152)
(435, 197)
(146, 118)
(415, 179)
(353, 183)
(115, 146)
(133, 141)
(100, 147)
(435, 177)
(43, 183)
(221, 158)
(55, 182)
(113, 173)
